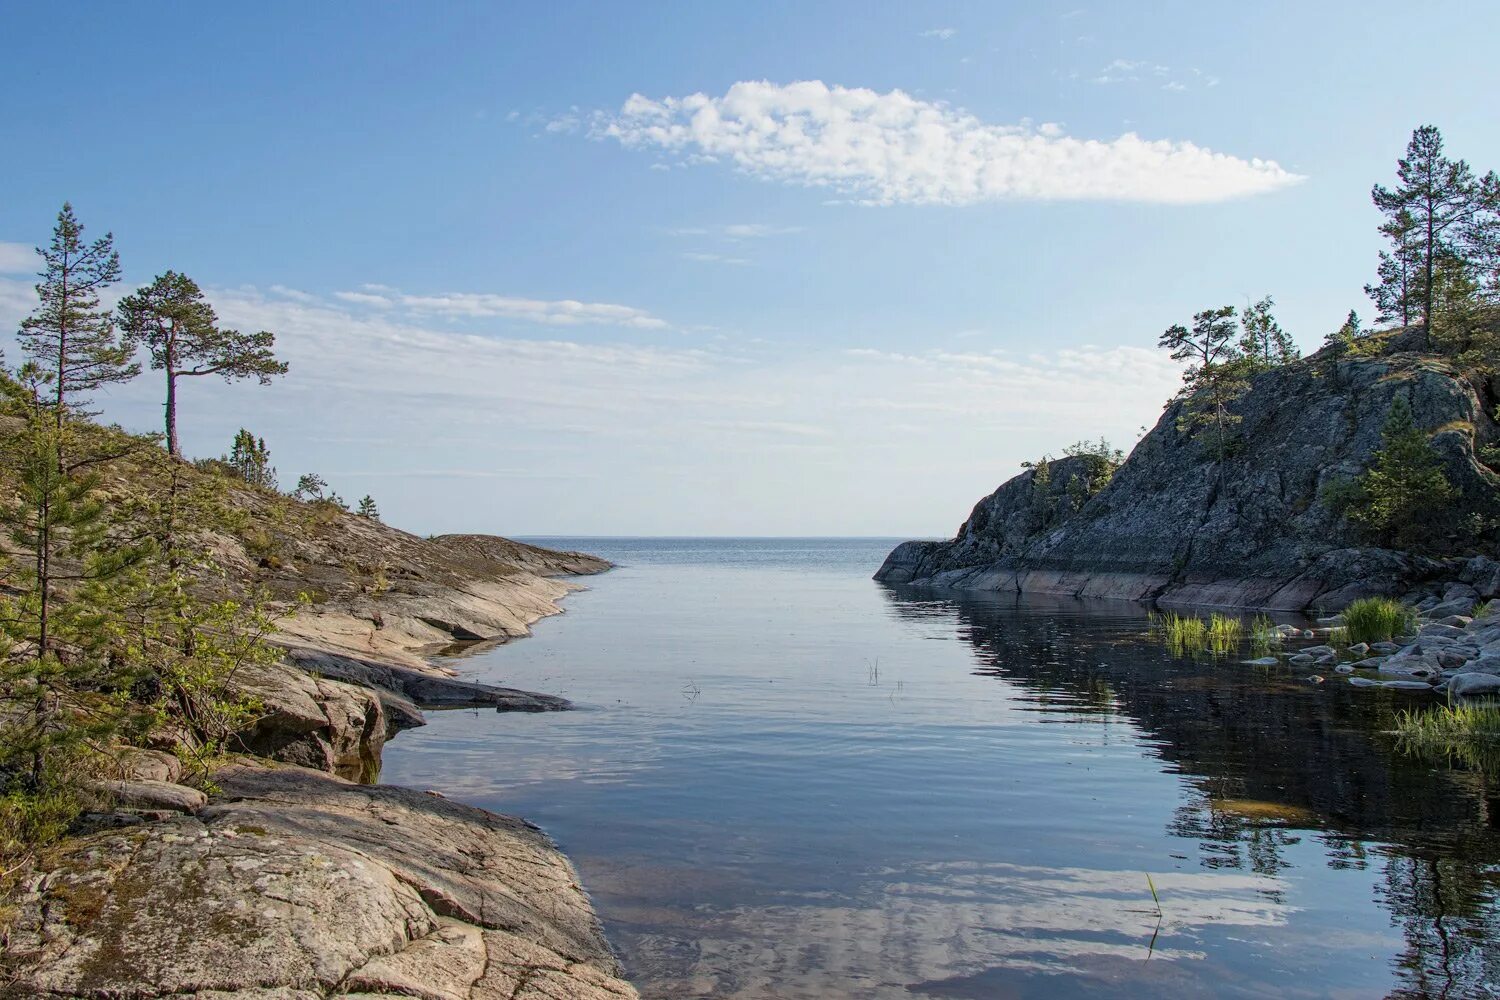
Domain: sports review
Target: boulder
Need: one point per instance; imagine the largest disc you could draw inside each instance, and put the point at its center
(1472, 684)
(298, 884)
(1437, 631)
(1443, 609)
(151, 796)
(313, 722)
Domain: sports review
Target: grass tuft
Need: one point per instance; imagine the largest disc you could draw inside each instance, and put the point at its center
(1377, 619)
(1466, 731)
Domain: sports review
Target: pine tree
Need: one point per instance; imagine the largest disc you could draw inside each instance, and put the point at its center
(1214, 379)
(181, 333)
(64, 688)
(69, 334)
(1441, 197)
(367, 508)
(1396, 293)
(1404, 495)
(1262, 339)
(310, 486)
(250, 459)
(1347, 336)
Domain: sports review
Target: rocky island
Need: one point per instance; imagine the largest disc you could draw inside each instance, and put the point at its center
(1261, 525)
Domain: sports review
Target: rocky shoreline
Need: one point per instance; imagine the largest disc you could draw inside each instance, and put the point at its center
(1179, 525)
(1454, 652)
(292, 880)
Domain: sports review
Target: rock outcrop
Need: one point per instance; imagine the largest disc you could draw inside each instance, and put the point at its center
(295, 884)
(1179, 527)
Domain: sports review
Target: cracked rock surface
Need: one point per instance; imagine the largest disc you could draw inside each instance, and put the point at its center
(294, 885)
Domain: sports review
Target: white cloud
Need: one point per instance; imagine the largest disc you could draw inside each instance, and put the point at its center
(894, 148)
(481, 305)
(17, 258)
(713, 258)
(942, 34)
(753, 231)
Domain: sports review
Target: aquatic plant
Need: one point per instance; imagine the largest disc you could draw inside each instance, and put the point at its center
(1185, 634)
(1377, 619)
(1263, 634)
(1182, 633)
(1466, 731)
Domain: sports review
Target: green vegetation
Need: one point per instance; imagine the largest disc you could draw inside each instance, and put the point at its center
(367, 508)
(117, 627)
(1377, 619)
(1186, 635)
(1404, 498)
(250, 460)
(1468, 732)
(181, 334)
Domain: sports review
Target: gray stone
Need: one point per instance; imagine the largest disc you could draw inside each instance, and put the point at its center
(1264, 661)
(151, 796)
(1472, 683)
(1407, 685)
(1359, 649)
(1441, 610)
(1385, 647)
(1256, 530)
(1301, 659)
(1363, 682)
(297, 884)
(1440, 631)
(1317, 650)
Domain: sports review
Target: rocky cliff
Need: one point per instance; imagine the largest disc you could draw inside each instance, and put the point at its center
(1177, 525)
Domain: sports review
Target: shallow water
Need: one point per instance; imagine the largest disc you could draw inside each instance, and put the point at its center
(788, 781)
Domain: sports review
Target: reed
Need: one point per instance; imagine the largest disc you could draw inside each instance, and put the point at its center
(1377, 619)
(1467, 731)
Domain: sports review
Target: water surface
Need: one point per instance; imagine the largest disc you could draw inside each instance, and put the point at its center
(789, 781)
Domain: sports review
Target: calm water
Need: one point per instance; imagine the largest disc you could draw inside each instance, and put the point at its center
(789, 781)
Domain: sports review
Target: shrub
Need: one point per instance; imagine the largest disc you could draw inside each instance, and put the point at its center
(1377, 619)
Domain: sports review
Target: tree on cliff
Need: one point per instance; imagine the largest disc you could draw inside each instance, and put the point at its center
(1215, 377)
(367, 508)
(1439, 217)
(181, 332)
(68, 335)
(1405, 495)
(1262, 340)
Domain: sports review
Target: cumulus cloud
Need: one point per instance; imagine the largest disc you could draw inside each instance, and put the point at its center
(482, 305)
(889, 148)
(17, 258)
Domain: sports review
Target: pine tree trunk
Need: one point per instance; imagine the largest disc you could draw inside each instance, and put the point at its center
(171, 407)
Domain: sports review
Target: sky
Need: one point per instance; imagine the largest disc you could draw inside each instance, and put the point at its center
(716, 269)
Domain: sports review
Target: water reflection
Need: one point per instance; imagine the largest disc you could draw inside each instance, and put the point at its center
(790, 782)
(1273, 759)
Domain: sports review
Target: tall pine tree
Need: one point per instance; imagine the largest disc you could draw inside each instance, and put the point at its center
(1441, 197)
(70, 335)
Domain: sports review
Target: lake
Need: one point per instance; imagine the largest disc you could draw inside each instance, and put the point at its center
(786, 780)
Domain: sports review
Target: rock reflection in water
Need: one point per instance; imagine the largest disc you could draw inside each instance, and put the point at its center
(1319, 758)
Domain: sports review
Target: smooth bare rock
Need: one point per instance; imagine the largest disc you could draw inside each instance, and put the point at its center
(1473, 683)
(137, 764)
(422, 689)
(295, 884)
(151, 795)
(1436, 630)
(1179, 527)
(314, 722)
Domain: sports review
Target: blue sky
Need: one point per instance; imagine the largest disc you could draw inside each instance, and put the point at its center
(890, 251)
